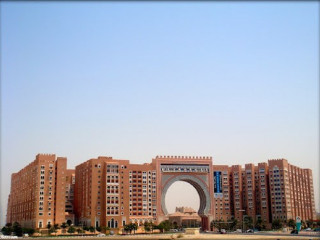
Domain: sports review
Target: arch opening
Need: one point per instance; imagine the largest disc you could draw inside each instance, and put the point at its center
(182, 194)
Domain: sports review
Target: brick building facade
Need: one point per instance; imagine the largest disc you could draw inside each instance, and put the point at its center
(38, 192)
(113, 192)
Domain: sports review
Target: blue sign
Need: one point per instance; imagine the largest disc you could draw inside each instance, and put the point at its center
(217, 184)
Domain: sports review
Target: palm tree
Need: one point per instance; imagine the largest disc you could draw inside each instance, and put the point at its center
(291, 223)
(248, 222)
(53, 230)
(63, 226)
(71, 229)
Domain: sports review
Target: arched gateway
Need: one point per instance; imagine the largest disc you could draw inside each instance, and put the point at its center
(195, 170)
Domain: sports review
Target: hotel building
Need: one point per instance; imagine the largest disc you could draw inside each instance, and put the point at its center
(113, 192)
(38, 192)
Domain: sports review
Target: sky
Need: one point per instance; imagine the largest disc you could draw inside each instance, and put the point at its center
(133, 80)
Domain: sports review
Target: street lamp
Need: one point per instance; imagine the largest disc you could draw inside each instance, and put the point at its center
(242, 210)
(82, 231)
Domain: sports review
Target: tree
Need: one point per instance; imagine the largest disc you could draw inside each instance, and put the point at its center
(165, 226)
(29, 231)
(63, 226)
(131, 227)
(291, 223)
(17, 229)
(52, 230)
(9, 225)
(134, 227)
(71, 229)
(276, 224)
(127, 228)
(309, 223)
(92, 229)
(234, 224)
(216, 224)
(147, 226)
(303, 224)
(259, 224)
(79, 230)
(6, 230)
(153, 226)
(85, 228)
(248, 222)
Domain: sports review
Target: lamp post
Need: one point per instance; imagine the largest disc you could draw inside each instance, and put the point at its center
(82, 231)
(242, 210)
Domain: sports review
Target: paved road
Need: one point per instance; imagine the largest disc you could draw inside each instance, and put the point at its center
(230, 236)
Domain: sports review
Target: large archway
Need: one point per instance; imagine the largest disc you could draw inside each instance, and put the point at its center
(193, 170)
(197, 184)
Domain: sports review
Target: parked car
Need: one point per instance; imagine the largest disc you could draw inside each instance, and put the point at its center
(223, 231)
(308, 229)
(316, 229)
(238, 231)
(101, 235)
(294, 232)
(250, 231)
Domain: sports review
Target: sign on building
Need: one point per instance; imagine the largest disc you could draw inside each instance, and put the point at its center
(217, 184)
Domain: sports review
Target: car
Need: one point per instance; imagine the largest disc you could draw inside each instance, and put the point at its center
(223, 231)
(238, 231)
(316, 230)
(294, 232)
(250, 231)
(308, 229)
(101, 235)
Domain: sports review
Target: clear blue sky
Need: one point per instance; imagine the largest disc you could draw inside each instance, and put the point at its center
(236, 81)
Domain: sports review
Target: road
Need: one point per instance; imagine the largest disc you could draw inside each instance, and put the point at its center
(215, 236)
